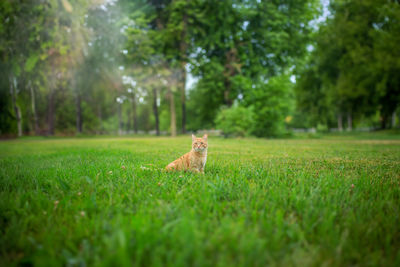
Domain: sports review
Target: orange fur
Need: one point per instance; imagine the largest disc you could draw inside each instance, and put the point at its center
(195, 160)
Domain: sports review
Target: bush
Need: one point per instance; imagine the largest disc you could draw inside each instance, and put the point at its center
(235, 121)
(272, 102)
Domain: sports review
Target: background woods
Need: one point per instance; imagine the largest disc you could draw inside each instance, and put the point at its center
(246, 67)
(260, 68)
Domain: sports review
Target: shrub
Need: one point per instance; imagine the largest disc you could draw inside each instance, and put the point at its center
(235, 121)
(272, 102)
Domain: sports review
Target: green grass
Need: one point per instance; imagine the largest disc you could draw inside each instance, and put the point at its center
(302, 202)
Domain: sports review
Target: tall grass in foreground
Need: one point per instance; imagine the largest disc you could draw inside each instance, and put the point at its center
(261, 202)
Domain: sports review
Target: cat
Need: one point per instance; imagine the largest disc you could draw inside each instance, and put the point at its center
(193, 161)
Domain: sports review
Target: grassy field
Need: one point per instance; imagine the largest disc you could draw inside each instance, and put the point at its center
(103, 201)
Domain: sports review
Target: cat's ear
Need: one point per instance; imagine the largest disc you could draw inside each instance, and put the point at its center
(193, 137)
(205, 137)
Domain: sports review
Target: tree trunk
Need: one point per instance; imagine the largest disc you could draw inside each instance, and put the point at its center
(135, 122)
(173, 112)
(51, 112)
(227, 98)
(100, 126)
(19, 119)
(17, 110)
(33, 102)
(340, 122)
(232, 67)
(349, 122)
(183, 96)
(119, 119)
(384, 121)
(155, 111)
(183, 51)
(128, 125)
(394, 119)
(78, 114)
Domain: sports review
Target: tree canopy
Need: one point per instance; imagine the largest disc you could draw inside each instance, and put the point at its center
(143, 66)
(354, 69)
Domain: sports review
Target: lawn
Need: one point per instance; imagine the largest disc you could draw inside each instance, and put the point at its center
(331, 201)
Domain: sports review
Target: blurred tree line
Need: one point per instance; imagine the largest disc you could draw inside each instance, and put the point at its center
(247, 67)
(352, 75)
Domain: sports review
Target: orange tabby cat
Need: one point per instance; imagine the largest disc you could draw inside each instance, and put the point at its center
(195, 160)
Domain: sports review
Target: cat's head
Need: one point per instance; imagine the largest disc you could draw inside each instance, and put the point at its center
(199, 144)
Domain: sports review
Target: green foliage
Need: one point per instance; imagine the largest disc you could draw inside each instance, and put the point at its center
(272, 102)
(7, 123)
(236, 52)
(57, 46)
(31, 62)
(354, 68)
(266, 108)
(91, 202)
(206, 99)
(235, 121)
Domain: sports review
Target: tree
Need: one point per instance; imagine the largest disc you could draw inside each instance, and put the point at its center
(19, 48)
(243, 44)
(37, 37)
(145, 49)
(183, 20)
(99, 77)
(385, 61)
(351, 61)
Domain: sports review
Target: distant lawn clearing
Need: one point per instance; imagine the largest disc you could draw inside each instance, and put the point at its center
(313, 202)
